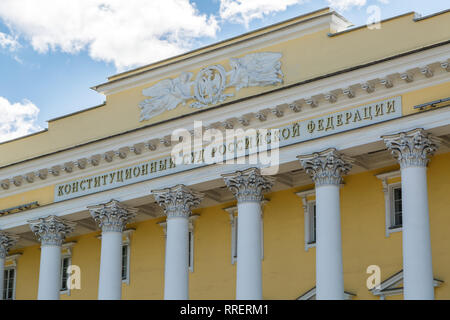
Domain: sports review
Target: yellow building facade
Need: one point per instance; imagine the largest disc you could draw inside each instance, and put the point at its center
(351, 200)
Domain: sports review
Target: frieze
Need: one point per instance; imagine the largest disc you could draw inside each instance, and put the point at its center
(208, 88)
(293, 133)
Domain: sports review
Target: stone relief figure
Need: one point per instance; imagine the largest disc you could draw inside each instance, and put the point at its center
(209, 86)
(166, 95)
(255, 69)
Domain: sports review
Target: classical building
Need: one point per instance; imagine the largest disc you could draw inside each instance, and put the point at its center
(335, 186)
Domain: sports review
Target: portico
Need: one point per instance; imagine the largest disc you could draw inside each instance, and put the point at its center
(96, 200)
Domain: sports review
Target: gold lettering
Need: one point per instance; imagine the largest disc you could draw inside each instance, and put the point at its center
(295, 130)
(128, 174)
(136, 171)
(286, 136)
(111, 177)
(320, 125)
(96, 182)
(144, 169)
(67, 188)
(60, 191)
(311, 126)
(330, 125)
(368, 114)
(339, 120)
(378, 110)
(75, 187)
(104, 178)
(82, 187)
(119, 176)
(172, 163)
(390, 106)
(153, 166)
(89, 182)
(348, 116)
(162, 165)
(357, 116)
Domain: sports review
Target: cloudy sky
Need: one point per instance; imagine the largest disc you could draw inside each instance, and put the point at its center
(52, 51)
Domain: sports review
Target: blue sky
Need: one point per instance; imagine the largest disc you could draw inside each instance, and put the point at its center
(53, 51)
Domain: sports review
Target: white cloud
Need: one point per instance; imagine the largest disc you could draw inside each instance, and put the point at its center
(243, 11)
(17, 119)
(127, 33)
(8, 42)
(346, 4)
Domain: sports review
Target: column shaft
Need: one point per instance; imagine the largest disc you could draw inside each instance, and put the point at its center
(249, 269)
(413, 150)
(111, 217)
(51, 231)
(329, 273)
(176, 284)
(177, 202)
(326, 168)
(417, 262)
(110, 281)
(50, 273)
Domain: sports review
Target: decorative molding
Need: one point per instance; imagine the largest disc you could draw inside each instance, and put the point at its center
(248, 185)
(306, 204)
(253, 70)
(413, 148)
(387, 82)
(51, 230)
(7, 240)
(326, 167)
(387, 198)
(12, 259)
(112, 216)
(177, 201)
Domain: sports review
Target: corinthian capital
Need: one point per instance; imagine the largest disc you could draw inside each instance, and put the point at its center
(248, 185)
(413, 148)
(51, 230)
(326, 167)
(7, 240)
(112, 216)
(177, 201)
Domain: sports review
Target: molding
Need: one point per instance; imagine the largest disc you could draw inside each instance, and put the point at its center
(91, 160)
(437, 118)
(387, 191)
(257, 41)
(12, 258)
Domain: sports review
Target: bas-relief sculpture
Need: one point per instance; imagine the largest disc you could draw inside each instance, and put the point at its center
(253, 70)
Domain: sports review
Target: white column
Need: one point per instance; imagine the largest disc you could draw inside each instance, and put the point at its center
(111, 217)
(177, 203)
(6, 242)
(326, 169)
(248, 187)
(51, 231)
(412, 149)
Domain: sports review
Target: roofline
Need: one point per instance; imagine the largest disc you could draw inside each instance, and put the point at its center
(366, 25)
(123, 75)
(432, 15)
(25, 136)
(368, 64)
(77, 112)
(416, 18)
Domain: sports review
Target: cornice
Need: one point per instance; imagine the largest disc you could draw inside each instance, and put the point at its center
(309, 105)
